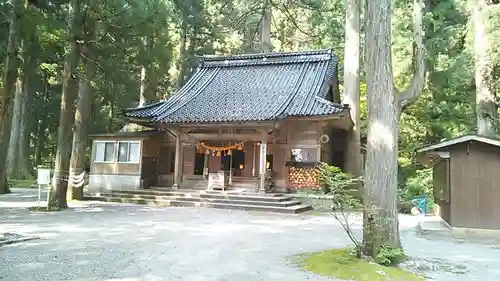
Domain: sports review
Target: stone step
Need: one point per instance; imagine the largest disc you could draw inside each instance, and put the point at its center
(196, 197)
(220, 195)
(247, 192)
(231, 206)
(287, 203)
(187, 196)
(171, 192)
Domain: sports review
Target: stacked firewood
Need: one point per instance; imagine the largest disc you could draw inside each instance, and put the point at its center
(303, 177)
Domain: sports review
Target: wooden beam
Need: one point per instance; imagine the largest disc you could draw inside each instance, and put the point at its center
(266, 124)
(221, 137)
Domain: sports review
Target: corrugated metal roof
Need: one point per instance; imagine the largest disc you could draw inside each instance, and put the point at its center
(256, 87)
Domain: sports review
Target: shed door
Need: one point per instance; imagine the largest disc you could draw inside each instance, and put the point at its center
(441, 182)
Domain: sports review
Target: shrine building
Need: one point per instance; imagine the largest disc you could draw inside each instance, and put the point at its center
(244, 121)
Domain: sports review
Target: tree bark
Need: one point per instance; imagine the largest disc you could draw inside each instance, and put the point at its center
(57, 196)
(265, 28)
(485, 97)
(142, 82)
(380, 217)
(82, 119)
(11, 76)
(142, 87)
(149, 81)
(352, 84)
(182, 50)
(19, 164)
(41, 126)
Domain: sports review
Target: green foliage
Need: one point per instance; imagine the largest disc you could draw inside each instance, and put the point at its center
(132, 35)
(343, 264)
(22, 183)
(417, 182)
(387, 256)
(343, 189)
(342, 186)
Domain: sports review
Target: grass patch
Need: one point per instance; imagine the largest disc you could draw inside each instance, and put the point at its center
(45, 209)
(342, 264)
(22, 183)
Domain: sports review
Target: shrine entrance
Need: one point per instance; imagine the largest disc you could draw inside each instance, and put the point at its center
(234, 161)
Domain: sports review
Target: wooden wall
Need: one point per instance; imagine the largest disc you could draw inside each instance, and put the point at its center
(301, 134)
(441, 188)
(114, 168)
(475, 186)
(109, 176)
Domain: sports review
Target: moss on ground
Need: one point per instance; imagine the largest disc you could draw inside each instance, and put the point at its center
(342, 264)
(22, 183)
(45, 209)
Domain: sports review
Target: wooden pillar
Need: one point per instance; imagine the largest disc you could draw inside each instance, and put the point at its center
(262, 162)
(205, 166)
(178, 161)
(254, 158)
(248, 170)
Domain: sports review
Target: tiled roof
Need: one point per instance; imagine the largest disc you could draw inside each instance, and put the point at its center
(257, 87)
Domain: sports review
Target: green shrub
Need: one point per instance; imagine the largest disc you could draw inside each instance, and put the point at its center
(389, 256)
(343, 189)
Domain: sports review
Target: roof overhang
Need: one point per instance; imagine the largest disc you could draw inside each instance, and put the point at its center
(342, 121)
(124, 135)
(467, 138)
(433, 154)
(431, 158)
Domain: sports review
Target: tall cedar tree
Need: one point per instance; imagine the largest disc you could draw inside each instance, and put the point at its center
(57, 196)
(486, 108)
(351, 83)
(380, 216)
(11, 85)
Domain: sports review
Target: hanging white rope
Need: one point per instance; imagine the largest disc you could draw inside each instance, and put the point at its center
(77, 180)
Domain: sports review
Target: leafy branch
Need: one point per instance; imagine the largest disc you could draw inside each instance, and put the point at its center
(342, 187)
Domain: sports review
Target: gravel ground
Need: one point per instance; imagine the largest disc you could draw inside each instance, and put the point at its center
(101, 241)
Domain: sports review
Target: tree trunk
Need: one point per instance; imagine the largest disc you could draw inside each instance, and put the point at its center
(19, 164)
(57, 197)
(142, 87)
(82, 119)
(381, 226)
(142, 83)
(11, 76)
(265, 28)
(41, 126)
(380, 217)
(151, 71)
(485, 97)
(182, 51)
(352, 84)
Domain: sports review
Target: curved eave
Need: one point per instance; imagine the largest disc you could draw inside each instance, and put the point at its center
(340, 120)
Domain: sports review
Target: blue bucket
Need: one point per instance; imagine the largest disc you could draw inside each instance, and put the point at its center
(421, 203)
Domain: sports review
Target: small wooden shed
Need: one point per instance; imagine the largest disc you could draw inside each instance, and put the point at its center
(466, 172)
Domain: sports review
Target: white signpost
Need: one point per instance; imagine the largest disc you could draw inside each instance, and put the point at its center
(43, 178)
(216, 180)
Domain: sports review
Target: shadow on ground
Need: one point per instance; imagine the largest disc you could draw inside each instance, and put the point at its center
(101, 241)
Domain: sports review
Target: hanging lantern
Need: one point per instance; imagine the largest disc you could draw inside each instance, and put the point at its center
(207, 152)
(218, 153)
(240, 147)
(229, 152)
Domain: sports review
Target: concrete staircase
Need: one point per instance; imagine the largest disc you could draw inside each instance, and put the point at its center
(233, 200)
